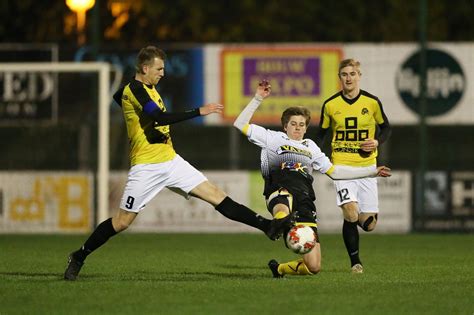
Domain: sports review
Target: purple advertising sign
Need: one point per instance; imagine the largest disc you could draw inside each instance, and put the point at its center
(289, 76)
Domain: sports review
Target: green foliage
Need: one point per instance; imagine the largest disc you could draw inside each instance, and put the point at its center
(227, 274)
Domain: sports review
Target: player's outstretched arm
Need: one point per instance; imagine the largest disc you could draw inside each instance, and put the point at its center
(337, 172)
(383, 171)
(211, 108)
(263, 91)
(168, 118)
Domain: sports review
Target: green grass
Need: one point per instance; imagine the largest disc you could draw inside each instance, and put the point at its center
(227, 274)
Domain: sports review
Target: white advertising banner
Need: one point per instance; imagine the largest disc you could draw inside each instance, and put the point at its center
(37, 202)
(62, 202)
(389, 71)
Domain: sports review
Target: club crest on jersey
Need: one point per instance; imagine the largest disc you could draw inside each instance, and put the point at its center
(364, 111)
(291, 149)
(294, 166)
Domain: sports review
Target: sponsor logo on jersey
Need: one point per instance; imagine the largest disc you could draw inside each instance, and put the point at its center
(291, 149)
(295, 166)
(346, 146)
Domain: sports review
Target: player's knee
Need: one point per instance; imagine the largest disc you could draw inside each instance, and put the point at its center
(215, 194)
(350, 211)
(209, 192)
(368, 224)
(314, 268)
(218, 193)
(280, 208)
(351, 216)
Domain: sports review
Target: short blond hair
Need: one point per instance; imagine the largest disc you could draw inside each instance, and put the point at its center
(146, 57)
(349, 63)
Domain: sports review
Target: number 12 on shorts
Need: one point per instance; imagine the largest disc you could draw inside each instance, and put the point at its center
(343, 194)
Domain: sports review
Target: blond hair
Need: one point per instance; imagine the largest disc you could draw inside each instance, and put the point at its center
(146, 57)
(350, 63)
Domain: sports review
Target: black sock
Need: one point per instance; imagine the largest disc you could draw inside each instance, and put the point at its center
(350, 233)
(101, 234)
(240, 213)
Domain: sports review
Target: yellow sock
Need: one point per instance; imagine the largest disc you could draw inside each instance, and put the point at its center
(296, 267)
(280, 215)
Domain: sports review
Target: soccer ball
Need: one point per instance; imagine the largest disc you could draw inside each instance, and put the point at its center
(301, 239)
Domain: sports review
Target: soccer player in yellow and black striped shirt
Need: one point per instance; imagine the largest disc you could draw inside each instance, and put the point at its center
(155, 164)
(359, 126)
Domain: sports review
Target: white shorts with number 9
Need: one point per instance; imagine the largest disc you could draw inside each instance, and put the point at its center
(363, 191)
(145, 181)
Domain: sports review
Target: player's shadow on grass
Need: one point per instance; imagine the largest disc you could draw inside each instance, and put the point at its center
(190, 276)
(43, 276)
(31, 275)
(231, 271)
(231, 275)
(163, 276)
(329, 269)
(242, 267)
(186, 276)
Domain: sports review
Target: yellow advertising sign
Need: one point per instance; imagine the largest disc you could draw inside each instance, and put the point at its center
(299, 77)
(46, 202)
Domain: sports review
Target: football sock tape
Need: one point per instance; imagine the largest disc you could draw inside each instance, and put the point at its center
(280, 215)
(295, 267)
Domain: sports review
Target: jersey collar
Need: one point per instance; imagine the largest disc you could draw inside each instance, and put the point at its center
(351, 101)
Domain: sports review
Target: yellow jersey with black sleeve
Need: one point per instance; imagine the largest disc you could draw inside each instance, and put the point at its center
(352, 121)
(149, 142)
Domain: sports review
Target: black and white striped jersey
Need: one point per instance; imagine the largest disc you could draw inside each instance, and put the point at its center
(280, 152)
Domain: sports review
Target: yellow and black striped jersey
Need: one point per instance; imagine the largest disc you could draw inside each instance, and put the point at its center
(149, 142)
(352, 121)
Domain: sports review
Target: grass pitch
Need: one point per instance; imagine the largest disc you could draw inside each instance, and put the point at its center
(228, 274)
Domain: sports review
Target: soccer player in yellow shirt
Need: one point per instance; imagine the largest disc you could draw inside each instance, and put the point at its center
(155, 164)
(359, 126)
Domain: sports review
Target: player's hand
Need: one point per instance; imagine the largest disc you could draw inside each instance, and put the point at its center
(264, 88)
(369, 145)
(211, 108)
(383, 171)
